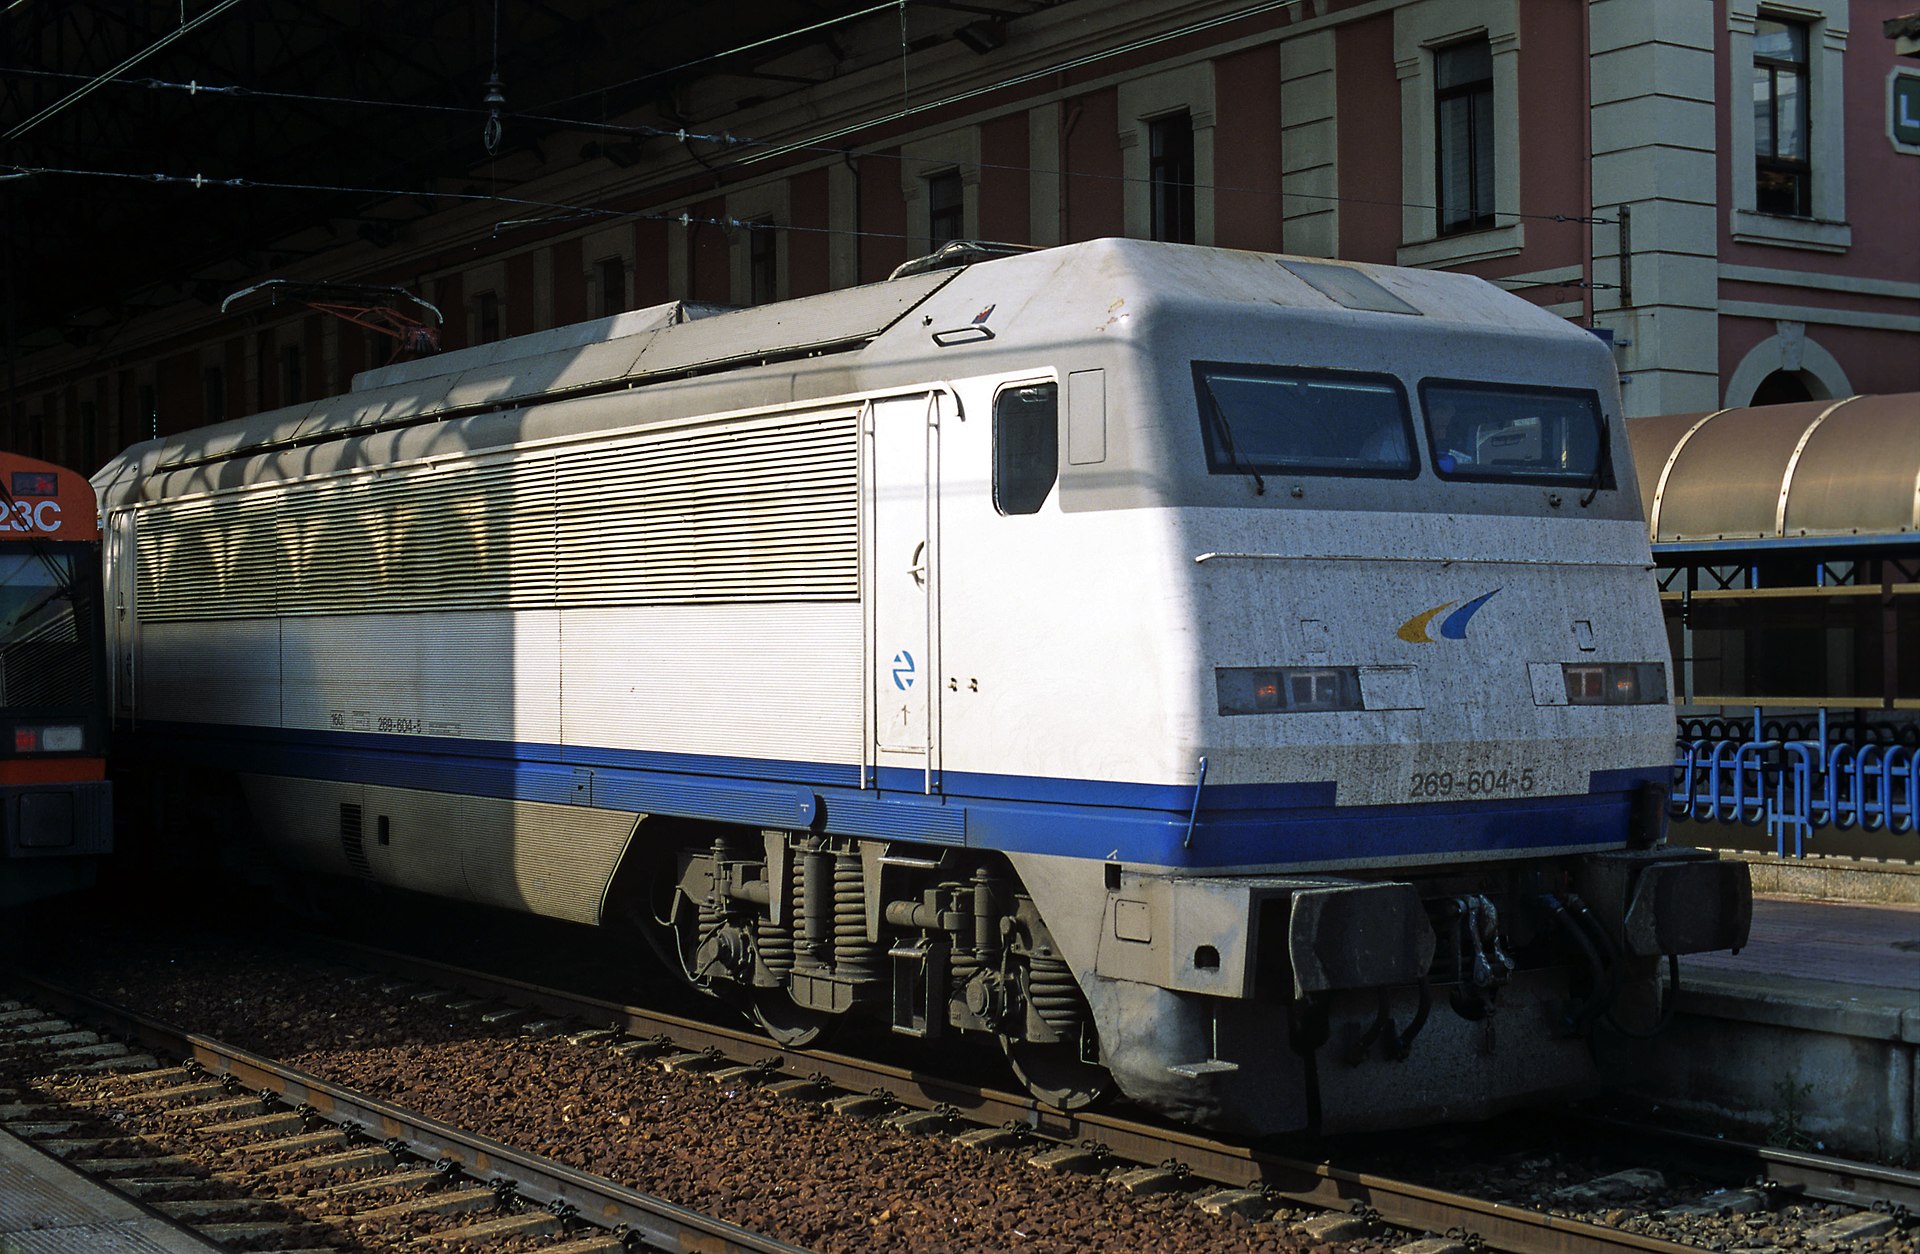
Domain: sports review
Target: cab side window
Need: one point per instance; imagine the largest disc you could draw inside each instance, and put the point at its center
(1026, 446)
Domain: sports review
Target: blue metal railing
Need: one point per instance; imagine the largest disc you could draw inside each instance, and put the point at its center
(1794, 786)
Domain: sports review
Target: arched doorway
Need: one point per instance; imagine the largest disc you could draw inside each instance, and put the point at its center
(1782, 387)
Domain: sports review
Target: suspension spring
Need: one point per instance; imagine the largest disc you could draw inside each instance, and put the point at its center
(807, 953)
(774, 943)
(1053, 991)
(854, 956)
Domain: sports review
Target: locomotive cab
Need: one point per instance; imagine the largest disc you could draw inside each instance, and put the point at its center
(1416, 733)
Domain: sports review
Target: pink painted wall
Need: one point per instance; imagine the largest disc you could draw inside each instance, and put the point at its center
(1246, 148)
(1094, 205)
(807, 247)
(1004, 184)
(883, 216)
(1367, 112)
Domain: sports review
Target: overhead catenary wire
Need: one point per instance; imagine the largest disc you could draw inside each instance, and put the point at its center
(553, 213)
(572, 213)
(94, 84)
(729, 140)
(562, 211)
(823, 145)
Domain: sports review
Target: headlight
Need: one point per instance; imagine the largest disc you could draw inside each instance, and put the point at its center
(1287, 689)
(59, 738)
(1615, 683)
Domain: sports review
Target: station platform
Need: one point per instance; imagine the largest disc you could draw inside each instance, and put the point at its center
(1810, 1035)
(48, 1208)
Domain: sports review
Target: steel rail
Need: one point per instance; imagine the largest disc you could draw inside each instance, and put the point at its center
(658, 1223)
(1415, 1207)
(1818, 1176)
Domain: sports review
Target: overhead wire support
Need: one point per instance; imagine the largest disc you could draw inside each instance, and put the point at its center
(93, 84)
(495, 99)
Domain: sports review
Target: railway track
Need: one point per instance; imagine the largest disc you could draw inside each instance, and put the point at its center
(1376, 1209)
(400, 1176)
(1244, 1179)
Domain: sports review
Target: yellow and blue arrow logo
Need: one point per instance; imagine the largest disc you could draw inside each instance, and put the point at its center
(1452, 627)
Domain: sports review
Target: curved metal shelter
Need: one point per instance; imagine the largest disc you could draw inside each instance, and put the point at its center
(1812, 471)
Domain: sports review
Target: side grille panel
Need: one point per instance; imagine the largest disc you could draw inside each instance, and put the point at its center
(752, 510)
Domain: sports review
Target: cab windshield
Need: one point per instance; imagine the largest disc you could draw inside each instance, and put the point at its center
(1488, 432)
(47, 645)
(1282, 419)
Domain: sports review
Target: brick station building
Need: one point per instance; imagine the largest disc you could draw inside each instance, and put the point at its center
(1730, 189)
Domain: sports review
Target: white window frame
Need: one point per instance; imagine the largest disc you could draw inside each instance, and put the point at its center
(486, 280)
(603, 246)
(769, 202)
(1185, 89)
(1418, 31)
(941, 154)
(1827, 26)
(597, 283)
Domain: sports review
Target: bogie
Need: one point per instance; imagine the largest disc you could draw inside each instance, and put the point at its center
(803, 931)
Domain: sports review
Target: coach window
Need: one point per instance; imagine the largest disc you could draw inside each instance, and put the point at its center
(1026, 446)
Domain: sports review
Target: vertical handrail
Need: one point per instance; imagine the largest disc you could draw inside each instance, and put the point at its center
(1792, 795)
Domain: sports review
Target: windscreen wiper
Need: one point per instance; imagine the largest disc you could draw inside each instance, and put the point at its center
(1225, 431)
(1600, 462)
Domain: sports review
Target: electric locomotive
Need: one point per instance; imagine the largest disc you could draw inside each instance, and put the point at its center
(1229, 678)
(56, 806)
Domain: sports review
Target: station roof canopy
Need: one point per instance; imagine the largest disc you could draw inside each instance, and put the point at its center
(1812, 473)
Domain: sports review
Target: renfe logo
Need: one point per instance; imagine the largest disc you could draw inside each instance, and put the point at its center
(27, 516)
(1453, 627)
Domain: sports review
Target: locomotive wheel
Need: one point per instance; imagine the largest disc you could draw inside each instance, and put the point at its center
(792, 1026)
(1056, 1075)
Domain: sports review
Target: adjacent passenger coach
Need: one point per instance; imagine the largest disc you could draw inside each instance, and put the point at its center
(56, 807)
(1230, 678)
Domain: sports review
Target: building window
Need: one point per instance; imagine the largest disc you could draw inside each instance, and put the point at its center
(1781, 126)
(763, 262)
(213, 391)
(613, 287)
(89, 436)
(1170, 177)
(292, 379)
(262, 365)
(946, 209)
(486, 318)
(1463, 133)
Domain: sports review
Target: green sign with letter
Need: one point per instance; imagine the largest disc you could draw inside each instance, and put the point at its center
(1903, 110)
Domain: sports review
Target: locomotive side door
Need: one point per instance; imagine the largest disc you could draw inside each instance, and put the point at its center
(122, 614)
(902, 544)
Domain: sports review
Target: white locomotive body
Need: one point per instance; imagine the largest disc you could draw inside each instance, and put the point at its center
(1186, 666)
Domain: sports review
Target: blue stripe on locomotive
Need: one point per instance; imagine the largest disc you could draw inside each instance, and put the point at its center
(1239, 825)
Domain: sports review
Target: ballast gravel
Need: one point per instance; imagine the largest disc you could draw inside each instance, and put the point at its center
(787, 1167)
